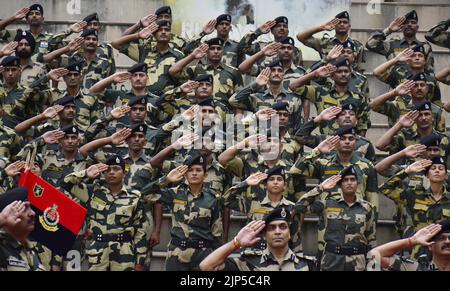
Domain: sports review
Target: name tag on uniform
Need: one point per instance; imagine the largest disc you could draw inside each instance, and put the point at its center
(181, 202)
(332, 209)
(100, 201)
(331, 172)
(423, 202)
(261, 211)
(17, 263)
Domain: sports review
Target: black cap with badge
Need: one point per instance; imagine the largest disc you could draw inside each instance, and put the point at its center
(116, 160)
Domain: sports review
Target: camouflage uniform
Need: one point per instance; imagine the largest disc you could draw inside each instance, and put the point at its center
(18, 105)
(10, 144)
(304, 136)
(42, 40)
(325, 44)
(320, 167)
(250, 47)
(227, 81)
(404, 104)
(97, 70)
(159, 80)
(116, 222)
(16, 257)
(177, 42)
(390, 49)
(251, 162)
(247, 200)
(254, 260)
(121, 98)
(408, 136)
(325, 98)
(254, 97)
(397, 263)
(87, 108)
(196, 223)
(400, 74)
(33, 71)
(346, 227)
(231, 54)
(419, 202)
(439, 35)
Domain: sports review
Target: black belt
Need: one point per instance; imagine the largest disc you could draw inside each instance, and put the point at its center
(121, 237)
(346, 250)
(194, 243)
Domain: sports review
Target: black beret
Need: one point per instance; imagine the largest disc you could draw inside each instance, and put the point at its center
(276, 171)
(426, 105)
(164, 23)
(215, 41)
(70, 129)
(36, 7)
(27, 36)
(17, 194)
(282, 19)
(163, 10)
(274, 64)
(287, 40)
(65, 100)
(206, 102)
(10, 61)
(223, 17)
(349, 106)
(419, 49)
(281, 105)
(75, 66)
(419, 77)
(196, 159)
(141, 67)
(348, 45)
(412, 15)
(90, 32)
(116, 160)
(204, 78)
(137, 100)
(431, 140)
(343, 15)
(438, 161)
(445, 227)
(279, 213)
(350, 171)
(347, 129)
(139, 128)
(92, 17)
(341, 63)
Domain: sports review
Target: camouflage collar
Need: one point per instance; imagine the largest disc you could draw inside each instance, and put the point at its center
(340, 199)
(284, 92)
(267, 257)
(334, 158)
(78, 156)
(283, 201)
(414, 41)
(142, 157)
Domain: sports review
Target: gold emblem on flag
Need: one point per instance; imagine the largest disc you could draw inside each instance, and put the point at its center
(38, 191)
(50, 219)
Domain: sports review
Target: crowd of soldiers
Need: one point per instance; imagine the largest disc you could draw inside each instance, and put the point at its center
(130, 155)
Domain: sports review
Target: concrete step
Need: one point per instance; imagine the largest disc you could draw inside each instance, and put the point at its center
(381, 16)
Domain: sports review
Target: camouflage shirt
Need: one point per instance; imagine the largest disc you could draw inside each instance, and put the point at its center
(304, 136)
(193, 217)
(343, 225)
(18, 104)
(111, 214)
(377, 43)
(439, 34)
(16, 257)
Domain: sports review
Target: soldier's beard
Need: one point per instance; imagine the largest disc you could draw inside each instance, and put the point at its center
(23, 54)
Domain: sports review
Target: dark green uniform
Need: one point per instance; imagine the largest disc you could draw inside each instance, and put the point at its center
(196, 223)
(16, 257)
(377, 43)
(116, 223)
(348, 230)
